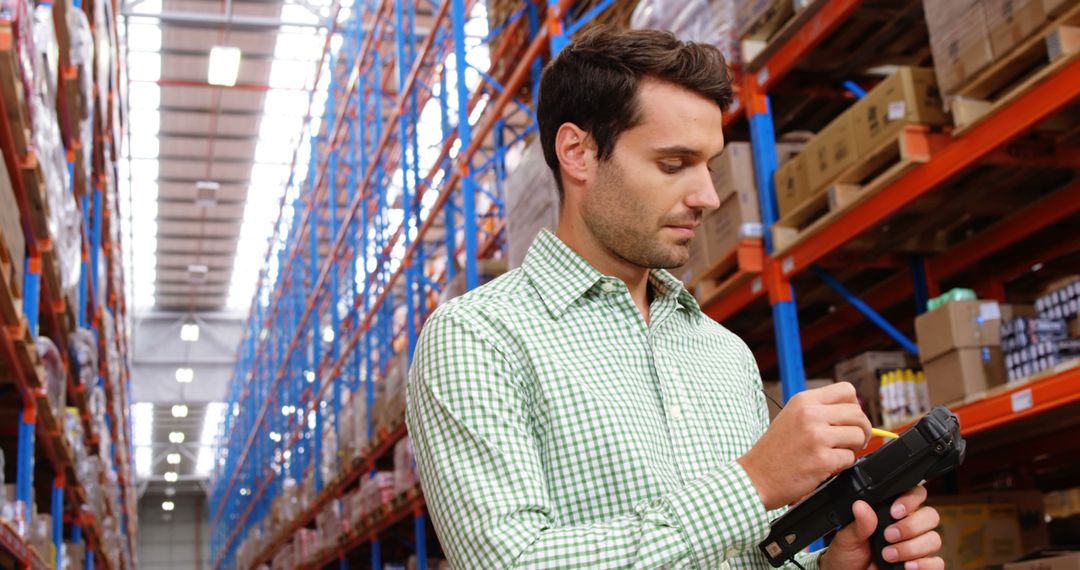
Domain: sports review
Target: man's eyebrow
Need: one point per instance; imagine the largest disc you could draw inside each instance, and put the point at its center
(678, 150)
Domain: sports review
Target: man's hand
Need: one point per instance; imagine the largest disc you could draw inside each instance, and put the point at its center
(912, 537)
(817, 434)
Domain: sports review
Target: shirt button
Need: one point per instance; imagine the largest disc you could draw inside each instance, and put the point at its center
(732, 552)
(676, 412)
(725, 566)
(608, 287)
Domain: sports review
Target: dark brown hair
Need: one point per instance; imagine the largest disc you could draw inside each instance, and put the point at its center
(593, 83)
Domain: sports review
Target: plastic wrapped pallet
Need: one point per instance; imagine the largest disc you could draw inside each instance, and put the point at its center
(376, 491)
(55, 375)
(532, 202)
(64, 219)
(405, 476)
(706, 21)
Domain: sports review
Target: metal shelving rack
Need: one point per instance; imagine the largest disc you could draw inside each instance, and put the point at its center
(403, 194)
(44, 310)
(323, 322)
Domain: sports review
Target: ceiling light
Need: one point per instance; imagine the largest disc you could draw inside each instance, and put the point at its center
(170, 491)
(171, 477)
(244, 491)
(176, 437)
(167, 506)
(179, 411)
(328, 334)
(224, 66)
(185, 375)
(206, 192)
(173, 459)
(189, 332)
(197, 273)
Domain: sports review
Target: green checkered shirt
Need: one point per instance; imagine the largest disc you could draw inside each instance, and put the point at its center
(554, 428)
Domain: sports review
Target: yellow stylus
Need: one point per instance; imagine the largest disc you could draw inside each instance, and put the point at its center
(882, 433)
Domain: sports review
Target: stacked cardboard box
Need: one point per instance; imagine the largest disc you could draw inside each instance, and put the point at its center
(960, 349)
(864, 371)
(907, 97)
(967, 36)
(391, 408)
(405, 476)
(986, 529)
(1048, 559)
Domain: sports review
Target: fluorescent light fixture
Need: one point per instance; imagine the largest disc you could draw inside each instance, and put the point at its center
(142, 423)
(328, 334)
(185, 375)
(179, 411)
(167, 506)
(171, 477)
(197, 273)
(275, 436)
(176, 437)
(224, 66)
(170, 491)
(204, 463)
(143, 461)
(206, 192)
(173, 459)
(244, 491)
(189, 332)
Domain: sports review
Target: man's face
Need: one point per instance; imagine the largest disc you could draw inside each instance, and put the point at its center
(650, 196)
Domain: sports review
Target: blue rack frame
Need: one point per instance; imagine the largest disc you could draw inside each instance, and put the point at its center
(346, 290)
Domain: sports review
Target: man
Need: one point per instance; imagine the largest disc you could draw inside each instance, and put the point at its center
(581, 411)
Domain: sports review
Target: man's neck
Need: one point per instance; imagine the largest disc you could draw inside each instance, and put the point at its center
(607, 262)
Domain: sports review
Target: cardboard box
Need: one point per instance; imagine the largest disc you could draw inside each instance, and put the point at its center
(11, 227)
(974, 536)
(791, 184)
(958, 324)
(862, 372)
(737, 218)
(1012, 311)
(1030, 510)
(959, 373)
(829, 153)
(908, 97)
(959, 41)
(1055, 7)
(1010, 22)
(733, 172)
(1055, 560)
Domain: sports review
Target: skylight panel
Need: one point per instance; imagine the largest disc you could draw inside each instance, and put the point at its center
(144, 66)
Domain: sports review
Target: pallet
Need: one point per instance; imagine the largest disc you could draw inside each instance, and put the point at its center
(1042, 55)
(887, 163)
(12, 89)
(877, 33)
(744, 262)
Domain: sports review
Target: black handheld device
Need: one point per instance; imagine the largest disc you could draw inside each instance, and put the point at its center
(931, 448)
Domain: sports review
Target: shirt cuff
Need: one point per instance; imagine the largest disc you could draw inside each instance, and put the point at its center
(721, 515)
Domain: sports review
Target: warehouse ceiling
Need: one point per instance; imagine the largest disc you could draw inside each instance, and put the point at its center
(208, 164)
(204, 172)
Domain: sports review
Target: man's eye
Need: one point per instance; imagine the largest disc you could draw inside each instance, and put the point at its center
(671, 167)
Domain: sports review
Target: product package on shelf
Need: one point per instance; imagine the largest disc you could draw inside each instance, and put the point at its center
(904, 396)
(864, 372)
(84, 344)
(1062, 301)
(960, 348)
(285, 559)
(1032, 345)
(306, 541)
(55, 375)
(391, 409)
(329, 524)
(706, 21)
(376, 491)
(532, 203)
(405, 476)
(41, 536)
(61, 214)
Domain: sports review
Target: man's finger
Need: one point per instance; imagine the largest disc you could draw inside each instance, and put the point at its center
(909, 502)
(838, 393)
(933, 563)
(865, 521)
(921, 521)
(919, 547)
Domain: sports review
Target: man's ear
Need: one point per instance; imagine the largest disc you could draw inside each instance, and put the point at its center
(575, 150)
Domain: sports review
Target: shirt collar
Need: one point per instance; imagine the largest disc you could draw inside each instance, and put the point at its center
(561, 276)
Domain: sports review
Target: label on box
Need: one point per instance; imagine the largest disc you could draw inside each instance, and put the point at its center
(989, 312)
(897, 110)
(1022, 400)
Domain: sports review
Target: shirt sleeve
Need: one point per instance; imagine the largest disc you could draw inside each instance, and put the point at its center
(808, 560)
(486, 487)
